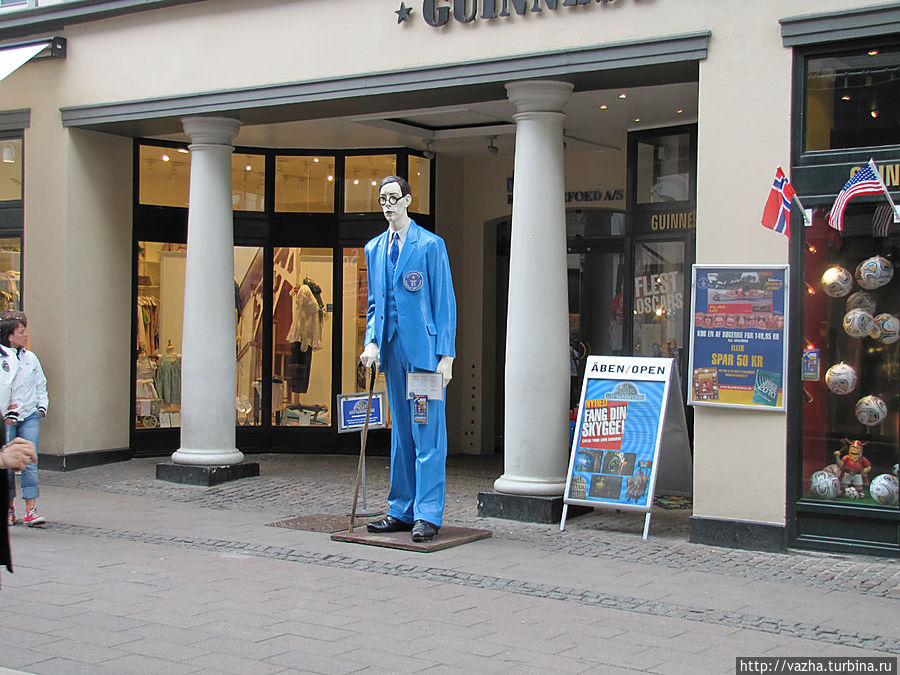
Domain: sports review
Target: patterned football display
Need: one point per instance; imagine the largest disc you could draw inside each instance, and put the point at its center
(851, 492)
(837, 281)
(874, 272)
(858, 323)
(823, 485)
(885, 328)
(840, 379)
(870, 410)
(861, 300)
(885, 489)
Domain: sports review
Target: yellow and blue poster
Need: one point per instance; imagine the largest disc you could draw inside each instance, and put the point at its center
(739, 336)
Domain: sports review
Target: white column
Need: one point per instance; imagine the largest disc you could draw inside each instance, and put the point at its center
(537, 326)
(208, 361)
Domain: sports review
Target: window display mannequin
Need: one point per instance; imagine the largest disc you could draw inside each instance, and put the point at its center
(411, 327)
(305, 333)
(168, 375)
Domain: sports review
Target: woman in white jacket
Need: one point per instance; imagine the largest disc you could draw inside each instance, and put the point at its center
(28, 404)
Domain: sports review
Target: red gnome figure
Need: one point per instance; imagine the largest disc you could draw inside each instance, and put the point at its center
(854, 469)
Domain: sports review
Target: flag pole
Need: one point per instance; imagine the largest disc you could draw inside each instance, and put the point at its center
(886, 191)
(806, 220)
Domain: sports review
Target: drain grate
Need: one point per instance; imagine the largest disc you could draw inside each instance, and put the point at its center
(317, 522)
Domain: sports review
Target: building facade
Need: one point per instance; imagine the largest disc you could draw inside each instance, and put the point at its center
(578, 157)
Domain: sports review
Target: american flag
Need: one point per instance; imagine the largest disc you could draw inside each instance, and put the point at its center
(882, 220)
(777, 212)
(866, 181)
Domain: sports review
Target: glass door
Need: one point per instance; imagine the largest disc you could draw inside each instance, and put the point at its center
(302, 335)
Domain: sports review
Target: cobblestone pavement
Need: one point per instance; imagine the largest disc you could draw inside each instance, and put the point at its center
(135, 575)
(292, 485)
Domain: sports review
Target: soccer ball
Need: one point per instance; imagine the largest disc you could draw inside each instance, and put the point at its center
(874, 272)
(823, 485)
(851, 492)
(870, 410)
(861, 300)
(895, 469)
(884, 489)
(840, 378)
(858, 323)
(837, 281)
(886, 328)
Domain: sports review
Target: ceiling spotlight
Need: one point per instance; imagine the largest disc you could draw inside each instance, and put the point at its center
(623, 95)
(165, 158)
(637, 119)
(491, 148)
(874, 112)
(680, 111)
(603, 107)
(872, 52)
(428, 153)
(184, 151)
(845, 97)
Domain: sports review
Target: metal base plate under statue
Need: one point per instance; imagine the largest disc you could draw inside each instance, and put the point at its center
(207, 476)
(448, 537)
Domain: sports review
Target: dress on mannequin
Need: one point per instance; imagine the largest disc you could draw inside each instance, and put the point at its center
(168, 375)
(305, 334)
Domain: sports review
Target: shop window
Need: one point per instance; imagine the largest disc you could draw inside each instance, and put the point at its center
(302, 304)
(11, 170)
(850, 360)
(658, 313)
(852, 99)
(353, 327)
(596, 284)
(248, 182)
(663, 169)
(362, 181)
(304, 184)
(420, 184)
(164, 176)
(160, 312)
(10, 273)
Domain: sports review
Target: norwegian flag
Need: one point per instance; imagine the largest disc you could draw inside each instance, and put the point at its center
(866, 181)
(882, 220)
(777, 213)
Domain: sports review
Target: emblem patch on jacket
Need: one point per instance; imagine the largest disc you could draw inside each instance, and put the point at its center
(6, 365)
(413, 281)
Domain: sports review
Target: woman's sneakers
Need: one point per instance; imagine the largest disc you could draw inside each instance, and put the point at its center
(32, 518)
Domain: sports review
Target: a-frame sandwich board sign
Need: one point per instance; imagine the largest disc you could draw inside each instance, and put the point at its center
(630, 436)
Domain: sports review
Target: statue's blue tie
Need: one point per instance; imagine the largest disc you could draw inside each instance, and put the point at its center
(395, 248)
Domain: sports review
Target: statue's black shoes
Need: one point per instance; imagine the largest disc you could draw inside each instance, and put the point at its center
(389, 524)
(422, 530)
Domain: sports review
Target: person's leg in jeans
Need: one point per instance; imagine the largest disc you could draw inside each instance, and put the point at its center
(30, 430)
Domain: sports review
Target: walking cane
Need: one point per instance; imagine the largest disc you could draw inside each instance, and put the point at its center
(362, 449)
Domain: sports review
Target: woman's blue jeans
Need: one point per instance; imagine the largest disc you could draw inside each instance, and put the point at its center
(30, 430)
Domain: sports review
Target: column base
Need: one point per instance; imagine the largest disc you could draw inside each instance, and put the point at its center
(207, 476)
(526, 508)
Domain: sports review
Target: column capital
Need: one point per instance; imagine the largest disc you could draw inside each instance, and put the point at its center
(539, 95)
(211, 130)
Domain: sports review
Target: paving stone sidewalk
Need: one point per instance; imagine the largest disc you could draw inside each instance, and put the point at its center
(137, 575)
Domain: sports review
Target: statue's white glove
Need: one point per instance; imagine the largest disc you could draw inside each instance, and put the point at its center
(445, 368)
(371, 356)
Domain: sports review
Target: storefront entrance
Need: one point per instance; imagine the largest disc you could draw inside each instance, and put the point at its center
(300, 290)
(628, 271)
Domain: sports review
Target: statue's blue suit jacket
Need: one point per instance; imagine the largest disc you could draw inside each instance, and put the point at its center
(423, 289)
